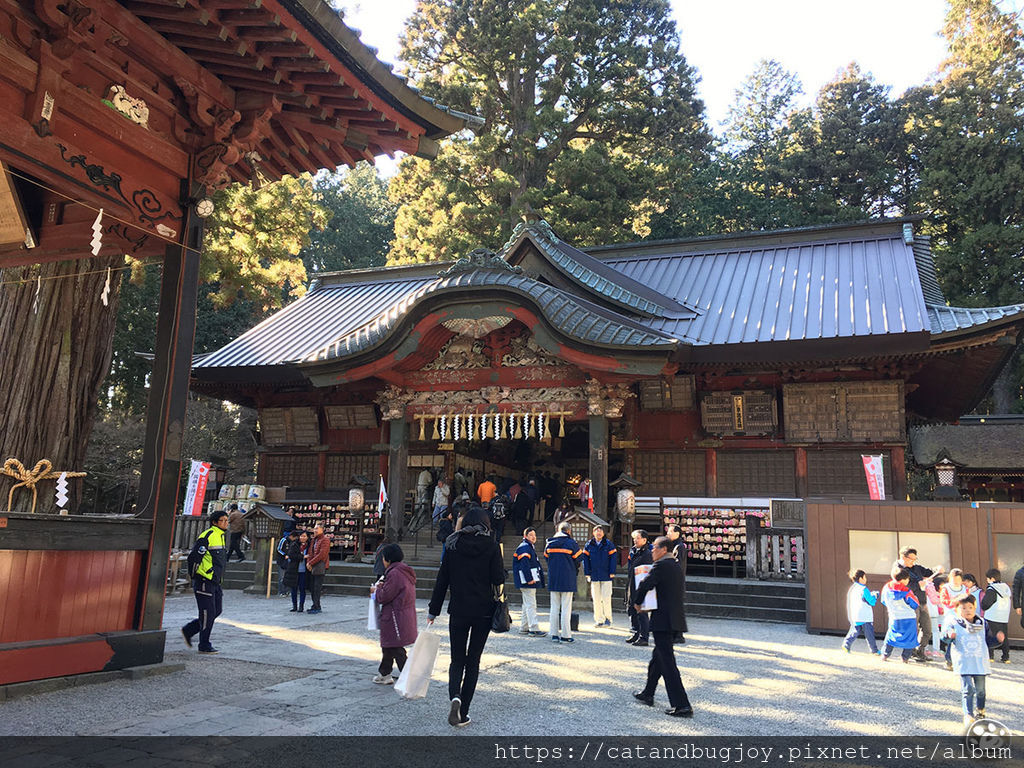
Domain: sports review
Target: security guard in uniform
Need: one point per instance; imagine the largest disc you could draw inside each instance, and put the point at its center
(206, 582)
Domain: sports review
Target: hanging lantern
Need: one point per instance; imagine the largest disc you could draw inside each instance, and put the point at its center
(356, 500)
(435, 436)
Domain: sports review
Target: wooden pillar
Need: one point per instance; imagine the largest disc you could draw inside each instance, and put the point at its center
(321, 471)
(711, 471)
(599, 463)
(630, 413)
(801, 472)
(899, 473)
(165, 414)
(398, 460)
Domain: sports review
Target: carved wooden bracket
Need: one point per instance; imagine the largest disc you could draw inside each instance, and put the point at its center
(71, 25)
(230, 137)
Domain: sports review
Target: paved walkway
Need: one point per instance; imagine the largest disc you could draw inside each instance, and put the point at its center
(282, 673)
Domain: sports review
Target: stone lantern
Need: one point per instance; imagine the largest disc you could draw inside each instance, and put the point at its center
(625, 499)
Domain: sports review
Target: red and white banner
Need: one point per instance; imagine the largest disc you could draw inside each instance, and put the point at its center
(197, 479)
(875, 477)
(382, 497)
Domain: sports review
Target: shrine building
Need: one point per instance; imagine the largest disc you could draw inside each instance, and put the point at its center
(761, 364)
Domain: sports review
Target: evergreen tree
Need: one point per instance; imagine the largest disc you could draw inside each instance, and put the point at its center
(362, 223)
(589, 111)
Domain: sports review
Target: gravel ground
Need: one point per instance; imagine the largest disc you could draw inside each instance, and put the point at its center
(282, 673)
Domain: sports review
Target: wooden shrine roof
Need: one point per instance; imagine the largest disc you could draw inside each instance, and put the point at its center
(994, 446)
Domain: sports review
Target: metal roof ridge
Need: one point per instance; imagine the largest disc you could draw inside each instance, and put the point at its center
(354, 276)
(753, 234)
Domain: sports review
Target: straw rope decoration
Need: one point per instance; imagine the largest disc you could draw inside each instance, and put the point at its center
(43, 470)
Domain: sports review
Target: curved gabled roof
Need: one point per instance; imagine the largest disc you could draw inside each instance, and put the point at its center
(572, 316)
(945, 319)
(592, 275)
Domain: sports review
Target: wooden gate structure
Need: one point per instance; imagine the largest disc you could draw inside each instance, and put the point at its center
(139, 108)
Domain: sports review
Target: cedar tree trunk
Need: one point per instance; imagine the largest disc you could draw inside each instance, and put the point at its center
(54, 362)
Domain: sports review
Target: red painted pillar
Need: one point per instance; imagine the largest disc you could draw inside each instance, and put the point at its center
(801, 472)
(899, 473)
(711, 471)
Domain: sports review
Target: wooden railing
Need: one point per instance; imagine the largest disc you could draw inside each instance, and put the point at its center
(775, 553)
(187, 529)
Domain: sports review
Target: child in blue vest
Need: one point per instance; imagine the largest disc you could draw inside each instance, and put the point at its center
(969, 643)
(902, 606)
(859, 602)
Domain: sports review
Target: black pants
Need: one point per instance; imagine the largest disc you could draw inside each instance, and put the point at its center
(465, 667)
(640, 622)
(209, 599)
(663, 666)
(994, 628)
(499, 529)
(316, 586)
(235, 545)
(390, 657)
(299, 591)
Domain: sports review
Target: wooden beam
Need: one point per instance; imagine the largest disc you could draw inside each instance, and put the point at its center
(295, 50)
(328, 130)
(208, 32)
(219, 46)
(267, 80)
(251, 18)
(230, 5)
(335, 90)
(170, 13)
(304, 65)
(248, 63)
(329, 80)
(14, 226)
(313, 111)
(272, 35)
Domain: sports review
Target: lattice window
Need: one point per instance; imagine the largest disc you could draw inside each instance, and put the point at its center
(289, 426)
(351, 416)
(844, 411)
(293, 470)
(756, 473)
(342, 467)
(841, 473)
(670, 473)
(677, 395)
(739, 413)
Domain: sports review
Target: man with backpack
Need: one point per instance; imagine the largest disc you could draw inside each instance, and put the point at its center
(206, 564)
(499, 510)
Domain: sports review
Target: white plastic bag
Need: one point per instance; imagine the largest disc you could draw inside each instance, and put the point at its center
(415, 677)
(373, 616)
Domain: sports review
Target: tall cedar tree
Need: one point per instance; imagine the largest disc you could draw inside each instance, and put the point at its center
(52, 387)
(969, 135)
(591, 118)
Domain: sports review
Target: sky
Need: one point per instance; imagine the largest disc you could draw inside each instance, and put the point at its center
(897, 41)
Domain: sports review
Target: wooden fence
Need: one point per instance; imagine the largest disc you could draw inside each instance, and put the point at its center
(775, 553)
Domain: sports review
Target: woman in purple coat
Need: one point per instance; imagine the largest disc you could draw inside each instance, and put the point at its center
(396, 596)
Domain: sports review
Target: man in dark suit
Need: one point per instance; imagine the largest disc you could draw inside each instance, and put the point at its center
(666, 577)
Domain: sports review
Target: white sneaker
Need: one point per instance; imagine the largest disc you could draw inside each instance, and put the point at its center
(383, 679)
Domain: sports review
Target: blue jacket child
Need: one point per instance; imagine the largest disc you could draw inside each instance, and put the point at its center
(563, 555)
(524, 561)
(599, 559)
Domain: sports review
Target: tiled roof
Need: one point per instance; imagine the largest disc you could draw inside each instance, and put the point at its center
(943, 319)
(989, 446)
(343, 319)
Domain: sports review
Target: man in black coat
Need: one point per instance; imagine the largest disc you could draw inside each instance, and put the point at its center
(1017, 592)
(666, 577)
(639, 554)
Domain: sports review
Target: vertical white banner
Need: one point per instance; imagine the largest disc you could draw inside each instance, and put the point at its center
(196, 477)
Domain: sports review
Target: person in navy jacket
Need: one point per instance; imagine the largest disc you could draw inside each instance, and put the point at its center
(528, 575)
(639, 554)
(563, 554)
(599, 559)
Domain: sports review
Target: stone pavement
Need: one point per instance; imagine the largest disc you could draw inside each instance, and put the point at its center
(288, 674)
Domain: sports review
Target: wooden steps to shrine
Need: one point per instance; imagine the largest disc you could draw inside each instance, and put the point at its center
(720, 598)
